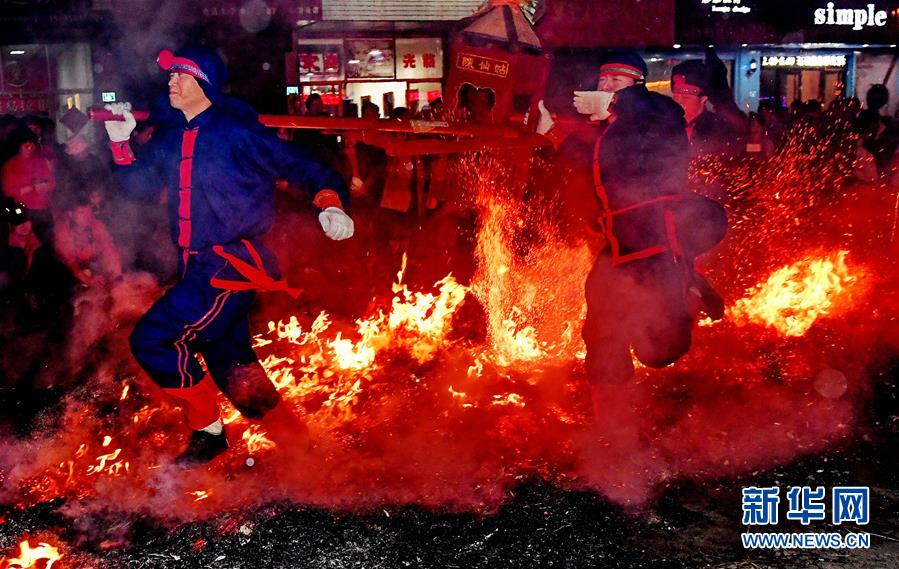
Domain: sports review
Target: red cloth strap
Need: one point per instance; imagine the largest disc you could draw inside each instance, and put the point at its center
(121, 152)
(608, 226)
(327, 198)
(665, 198)
(671, 232)
(198, 403)
(257, 278)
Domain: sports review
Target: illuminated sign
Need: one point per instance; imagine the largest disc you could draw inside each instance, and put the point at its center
(108, 96)
(857, 18)
(727, 6)
(293, 90)
(804, 61)
(480, 64)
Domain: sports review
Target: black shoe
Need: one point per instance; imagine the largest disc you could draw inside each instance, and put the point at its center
(202, 447)
(705, 299)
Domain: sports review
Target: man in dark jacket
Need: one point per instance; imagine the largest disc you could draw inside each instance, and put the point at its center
(640, 292)
(575, 141)
(709, 132)
(220, 168)
(635, 292)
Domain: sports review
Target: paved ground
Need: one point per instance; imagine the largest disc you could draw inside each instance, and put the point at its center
(692, 525)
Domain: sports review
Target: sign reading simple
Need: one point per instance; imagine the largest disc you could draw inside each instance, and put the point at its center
(857, 18)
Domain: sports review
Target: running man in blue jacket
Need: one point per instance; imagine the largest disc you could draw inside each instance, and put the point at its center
(219, 166)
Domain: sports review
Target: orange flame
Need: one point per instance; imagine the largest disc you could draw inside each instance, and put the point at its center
(113, 468)
(256, 440)
(535, 301)
(338, 367)
(795, 296)
(29, 557)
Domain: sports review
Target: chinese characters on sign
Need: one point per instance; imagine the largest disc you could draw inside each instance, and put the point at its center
(321, 61)
(23, 104)
(419, 58)
(850, 504)
(480, 64)
(404, 58)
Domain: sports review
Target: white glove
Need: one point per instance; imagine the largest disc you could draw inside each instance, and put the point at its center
(120, 131)
(337, 225)
(593, 103)
(545, 122)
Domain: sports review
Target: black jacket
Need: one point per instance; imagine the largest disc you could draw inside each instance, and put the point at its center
(643, 155)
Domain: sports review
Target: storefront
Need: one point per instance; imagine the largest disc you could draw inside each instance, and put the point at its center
(791, 76)
(801, 50)
(45, 78)
(389, 72)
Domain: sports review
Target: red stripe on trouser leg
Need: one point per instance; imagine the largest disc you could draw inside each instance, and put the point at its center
(198, 403)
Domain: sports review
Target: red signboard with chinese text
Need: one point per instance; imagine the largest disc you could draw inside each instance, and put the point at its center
(24, 104)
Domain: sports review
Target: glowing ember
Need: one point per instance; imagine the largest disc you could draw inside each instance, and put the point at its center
(200, 495)
(460, 397)
(29, 557)
(115, 466)
(256, 440)
(509, 399)
(795, 296)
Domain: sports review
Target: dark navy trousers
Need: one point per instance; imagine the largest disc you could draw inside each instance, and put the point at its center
(195, 317)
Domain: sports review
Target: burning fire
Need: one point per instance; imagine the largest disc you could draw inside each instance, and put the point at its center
(416, 321)
(795, 296)
(402, 359)
(29, 557)
(256, 440)
(534, 303)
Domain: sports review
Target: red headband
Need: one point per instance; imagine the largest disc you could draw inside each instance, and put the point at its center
(168, 62)
(621, 69)
(679, 85)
